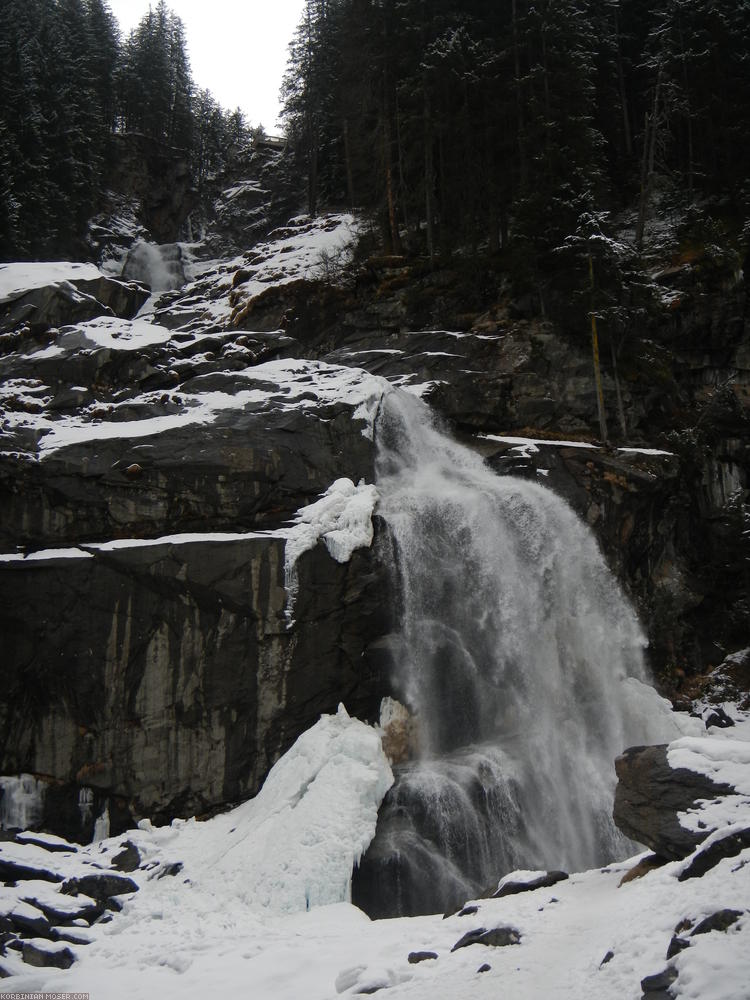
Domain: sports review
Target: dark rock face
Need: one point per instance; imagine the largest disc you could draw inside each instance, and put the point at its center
(147, 171)
(649, 795)
(146, 698)
(165, 676)
(73, 301)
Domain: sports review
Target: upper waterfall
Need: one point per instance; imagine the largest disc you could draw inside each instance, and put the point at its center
(160, 266)
(519, 657)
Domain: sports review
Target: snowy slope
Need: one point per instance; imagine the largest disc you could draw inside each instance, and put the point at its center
(234, 916)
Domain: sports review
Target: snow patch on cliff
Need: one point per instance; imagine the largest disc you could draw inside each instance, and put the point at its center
(18, 278)
(342, 519)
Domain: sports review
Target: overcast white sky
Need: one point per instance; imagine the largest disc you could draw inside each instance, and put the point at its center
(237, 48)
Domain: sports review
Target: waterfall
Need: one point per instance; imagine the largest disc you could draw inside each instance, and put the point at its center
(161, 267)
(522, 664)
(21, 802)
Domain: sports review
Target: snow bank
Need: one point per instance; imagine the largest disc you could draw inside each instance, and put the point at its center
(295, 844)
(342, 518)
(287, 383)
(121, 334)
(724, 761)
(185, 937)
(15, 279)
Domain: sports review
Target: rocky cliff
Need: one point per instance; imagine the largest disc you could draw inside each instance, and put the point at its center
(163, 647)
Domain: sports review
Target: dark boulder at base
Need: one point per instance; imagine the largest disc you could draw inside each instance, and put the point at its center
(649, 796)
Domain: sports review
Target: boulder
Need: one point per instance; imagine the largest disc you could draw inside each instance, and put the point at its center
(721, 920)
(128, 859)
(47, 957)
(13, 871)
(650, 794)
(64, 302)
(100, 887)
(27, 920)
(88, 911)
(415, 957)
(496, 937)
(511, 887)
(658, 986)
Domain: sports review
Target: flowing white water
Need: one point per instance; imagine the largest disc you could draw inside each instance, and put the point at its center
(160, 266)
(21, 802)
(522, 662)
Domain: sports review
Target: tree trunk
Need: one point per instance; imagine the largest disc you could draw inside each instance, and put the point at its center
(390, 194)
(523, 173)
(618, 393)
(429, 174)
(649, 155)
(597, 366)
(348, 163)
(623, 93)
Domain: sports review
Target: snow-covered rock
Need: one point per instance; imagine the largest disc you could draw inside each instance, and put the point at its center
(672, 797)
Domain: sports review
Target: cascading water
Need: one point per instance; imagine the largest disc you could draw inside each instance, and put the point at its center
(160, 266)
(522, 663)
(21, 802)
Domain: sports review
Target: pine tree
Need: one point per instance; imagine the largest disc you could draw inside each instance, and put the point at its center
(31, 190)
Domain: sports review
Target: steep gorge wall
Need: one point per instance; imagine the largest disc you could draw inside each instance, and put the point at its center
(161, 675)
(168, 677)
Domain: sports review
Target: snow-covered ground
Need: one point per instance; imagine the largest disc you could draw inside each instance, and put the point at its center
(260, 905)
(287, 383)
(15, 279)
